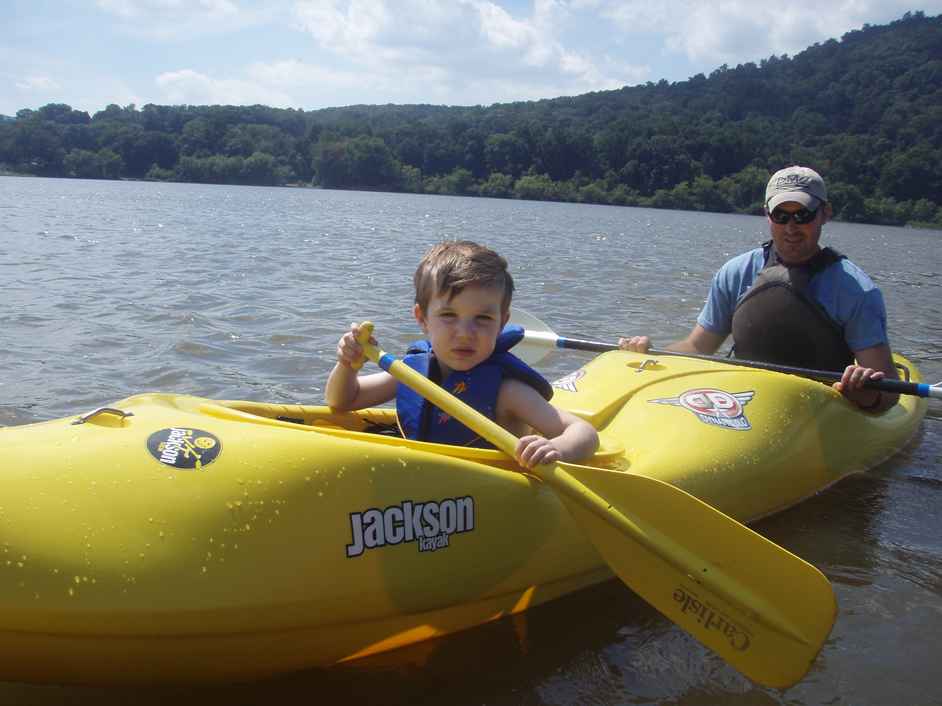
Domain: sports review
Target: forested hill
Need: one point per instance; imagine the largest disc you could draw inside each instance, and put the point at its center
(865, 111)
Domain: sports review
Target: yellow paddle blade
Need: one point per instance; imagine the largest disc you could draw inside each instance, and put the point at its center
(762, 609)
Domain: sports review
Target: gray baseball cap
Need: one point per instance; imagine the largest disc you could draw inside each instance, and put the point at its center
(799, 184)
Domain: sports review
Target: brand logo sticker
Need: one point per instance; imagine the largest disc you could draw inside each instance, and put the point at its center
(715, 407)
(184, 447)
(429, 523)
(712, 618)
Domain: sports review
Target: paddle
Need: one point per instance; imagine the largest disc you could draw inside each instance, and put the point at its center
(539, 339)
(762, 609)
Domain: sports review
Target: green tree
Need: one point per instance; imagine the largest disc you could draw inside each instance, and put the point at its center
(507, 154)
(866, 111)
(411, 179)
(197, 138)
(924, 211)
(372, 163)
(62, 114)
(536, 187)
(261, 168)
(139, 149)
(498, 185)
(83, 164)
(594, 192)
(112, 166)
(330, 163)
(915, 173)
(848, 202)
(37, 148)
(460, 182)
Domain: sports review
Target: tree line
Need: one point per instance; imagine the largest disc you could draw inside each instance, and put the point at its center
(865, 111)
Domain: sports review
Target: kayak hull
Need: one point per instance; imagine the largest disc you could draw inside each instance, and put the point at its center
(191, 540)
(748, 442)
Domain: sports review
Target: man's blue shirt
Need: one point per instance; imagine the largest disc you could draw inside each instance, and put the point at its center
(845, 291)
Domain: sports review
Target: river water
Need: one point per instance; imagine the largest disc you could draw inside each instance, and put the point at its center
(113, 288)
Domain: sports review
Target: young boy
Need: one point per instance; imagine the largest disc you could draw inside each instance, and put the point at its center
(462, 302)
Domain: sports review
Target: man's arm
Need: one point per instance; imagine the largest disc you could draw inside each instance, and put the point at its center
(699, 341)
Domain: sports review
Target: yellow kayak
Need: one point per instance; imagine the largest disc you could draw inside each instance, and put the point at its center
(169, 538)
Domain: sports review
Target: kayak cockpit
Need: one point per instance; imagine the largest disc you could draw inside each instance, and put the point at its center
(378, 425)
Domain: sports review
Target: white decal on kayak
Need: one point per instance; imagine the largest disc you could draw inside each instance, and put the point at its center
(716, 407)
(429, 523)
(568, 383)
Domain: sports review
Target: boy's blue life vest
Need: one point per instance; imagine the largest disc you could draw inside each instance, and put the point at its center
(477, 387)
(779, 321)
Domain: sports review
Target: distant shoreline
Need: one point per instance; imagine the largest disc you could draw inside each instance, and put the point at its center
(920, 225)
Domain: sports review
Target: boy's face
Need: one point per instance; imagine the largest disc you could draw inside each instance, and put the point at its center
(463, 330)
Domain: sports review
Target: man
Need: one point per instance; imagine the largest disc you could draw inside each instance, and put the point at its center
(792, 302)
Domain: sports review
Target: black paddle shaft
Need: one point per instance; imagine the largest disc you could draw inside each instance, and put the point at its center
(894, 386)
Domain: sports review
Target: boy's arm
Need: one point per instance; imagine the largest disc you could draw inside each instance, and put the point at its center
(565, 437)
(345, 389)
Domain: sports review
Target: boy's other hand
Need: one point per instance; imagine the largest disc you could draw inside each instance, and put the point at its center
(534, 450)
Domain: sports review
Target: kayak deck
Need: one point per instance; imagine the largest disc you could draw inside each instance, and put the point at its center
(194, 540)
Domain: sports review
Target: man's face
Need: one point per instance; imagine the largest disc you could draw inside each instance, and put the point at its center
(796, 243)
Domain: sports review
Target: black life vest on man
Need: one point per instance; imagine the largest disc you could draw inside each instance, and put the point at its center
(778, 321)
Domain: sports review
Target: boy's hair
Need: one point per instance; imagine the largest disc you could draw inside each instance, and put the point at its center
(449, 267)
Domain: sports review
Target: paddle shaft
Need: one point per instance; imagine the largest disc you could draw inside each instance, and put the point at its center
(894, 386)
(555, 475)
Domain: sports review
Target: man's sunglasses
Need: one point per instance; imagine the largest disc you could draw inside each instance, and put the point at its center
(801, 216)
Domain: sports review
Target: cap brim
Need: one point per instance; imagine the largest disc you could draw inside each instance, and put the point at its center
(805, 199)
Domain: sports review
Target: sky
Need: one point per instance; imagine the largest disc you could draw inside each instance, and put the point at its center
(314, 54)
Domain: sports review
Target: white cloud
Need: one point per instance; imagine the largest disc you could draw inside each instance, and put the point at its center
(348, 30)
(187, 86)
(503, 31)
(462, 44)
(150, 9)
(184, 19)
(736, 31)
(315, 85)
(38, 83)
(458, 52)
(32, 78)
(380, 33)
